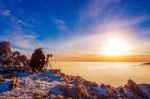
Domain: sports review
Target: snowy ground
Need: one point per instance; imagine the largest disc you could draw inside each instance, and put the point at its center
(47, 85)
(35, 84)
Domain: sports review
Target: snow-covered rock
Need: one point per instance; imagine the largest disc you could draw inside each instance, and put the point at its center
(35, 85)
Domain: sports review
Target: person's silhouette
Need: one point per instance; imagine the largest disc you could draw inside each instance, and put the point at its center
(37, 60)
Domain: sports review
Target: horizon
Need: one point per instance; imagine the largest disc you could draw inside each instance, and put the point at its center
(88, 30)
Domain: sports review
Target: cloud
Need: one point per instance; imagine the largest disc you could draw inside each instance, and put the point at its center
(5, 12)
(101, 19)
(99, 9)
(19, 38)
(16, 34)
(110, 23)
(60, 24)
(91, 41)
(103, 23)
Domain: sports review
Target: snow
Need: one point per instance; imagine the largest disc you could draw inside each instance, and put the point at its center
(101, 91)
(1, 69)
(56, 90)
(46, 83)
(4, 86)
(4, 75)
(36, 84)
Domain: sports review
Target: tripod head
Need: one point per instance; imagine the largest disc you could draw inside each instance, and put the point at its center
(49, 55)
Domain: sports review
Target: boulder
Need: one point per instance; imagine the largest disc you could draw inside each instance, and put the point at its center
(2, 79)
(20, 60)
(68, 91)
(5, 50)
(6, 61)
(136, 89)
(145, 88)
(15, 54)
(11, 58)
(15, 83)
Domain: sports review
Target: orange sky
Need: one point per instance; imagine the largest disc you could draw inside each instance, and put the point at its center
(90, 58)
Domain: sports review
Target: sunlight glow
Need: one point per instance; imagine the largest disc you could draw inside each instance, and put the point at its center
(115, 47)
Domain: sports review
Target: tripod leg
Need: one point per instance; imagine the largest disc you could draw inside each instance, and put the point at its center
(50, 65)
(45, 65)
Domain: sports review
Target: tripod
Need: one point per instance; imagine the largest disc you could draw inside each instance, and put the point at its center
(47, 63)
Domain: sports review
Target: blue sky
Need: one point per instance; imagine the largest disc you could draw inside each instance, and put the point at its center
(74, 26)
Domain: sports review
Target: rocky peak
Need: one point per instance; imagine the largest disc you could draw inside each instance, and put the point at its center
(5, 49)
(11, 58)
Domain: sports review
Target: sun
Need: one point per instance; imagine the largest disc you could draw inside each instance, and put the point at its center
(115, 46)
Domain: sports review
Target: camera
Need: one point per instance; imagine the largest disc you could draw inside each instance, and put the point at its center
(49, 55)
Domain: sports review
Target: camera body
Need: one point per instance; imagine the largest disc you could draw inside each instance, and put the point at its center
(49, 55)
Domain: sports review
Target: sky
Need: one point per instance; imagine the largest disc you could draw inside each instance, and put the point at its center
(75, 27)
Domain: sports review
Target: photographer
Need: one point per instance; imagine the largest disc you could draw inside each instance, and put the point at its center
(37, 60)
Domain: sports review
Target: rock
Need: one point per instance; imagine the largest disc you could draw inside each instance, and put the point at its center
(122, 92)
(68, 91)
(52, 96)
(2, 79)
(145, 88)
(15, 54)
(15, 82)
(101, 91)
(20, 60)
(14, 71)
(56, 71)
(60, 97)
(11, 58)
(68, 98)
(6, 61)
(56, 90)
(81, 89)
(136, 89)
(5, 50)
(103, 86)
